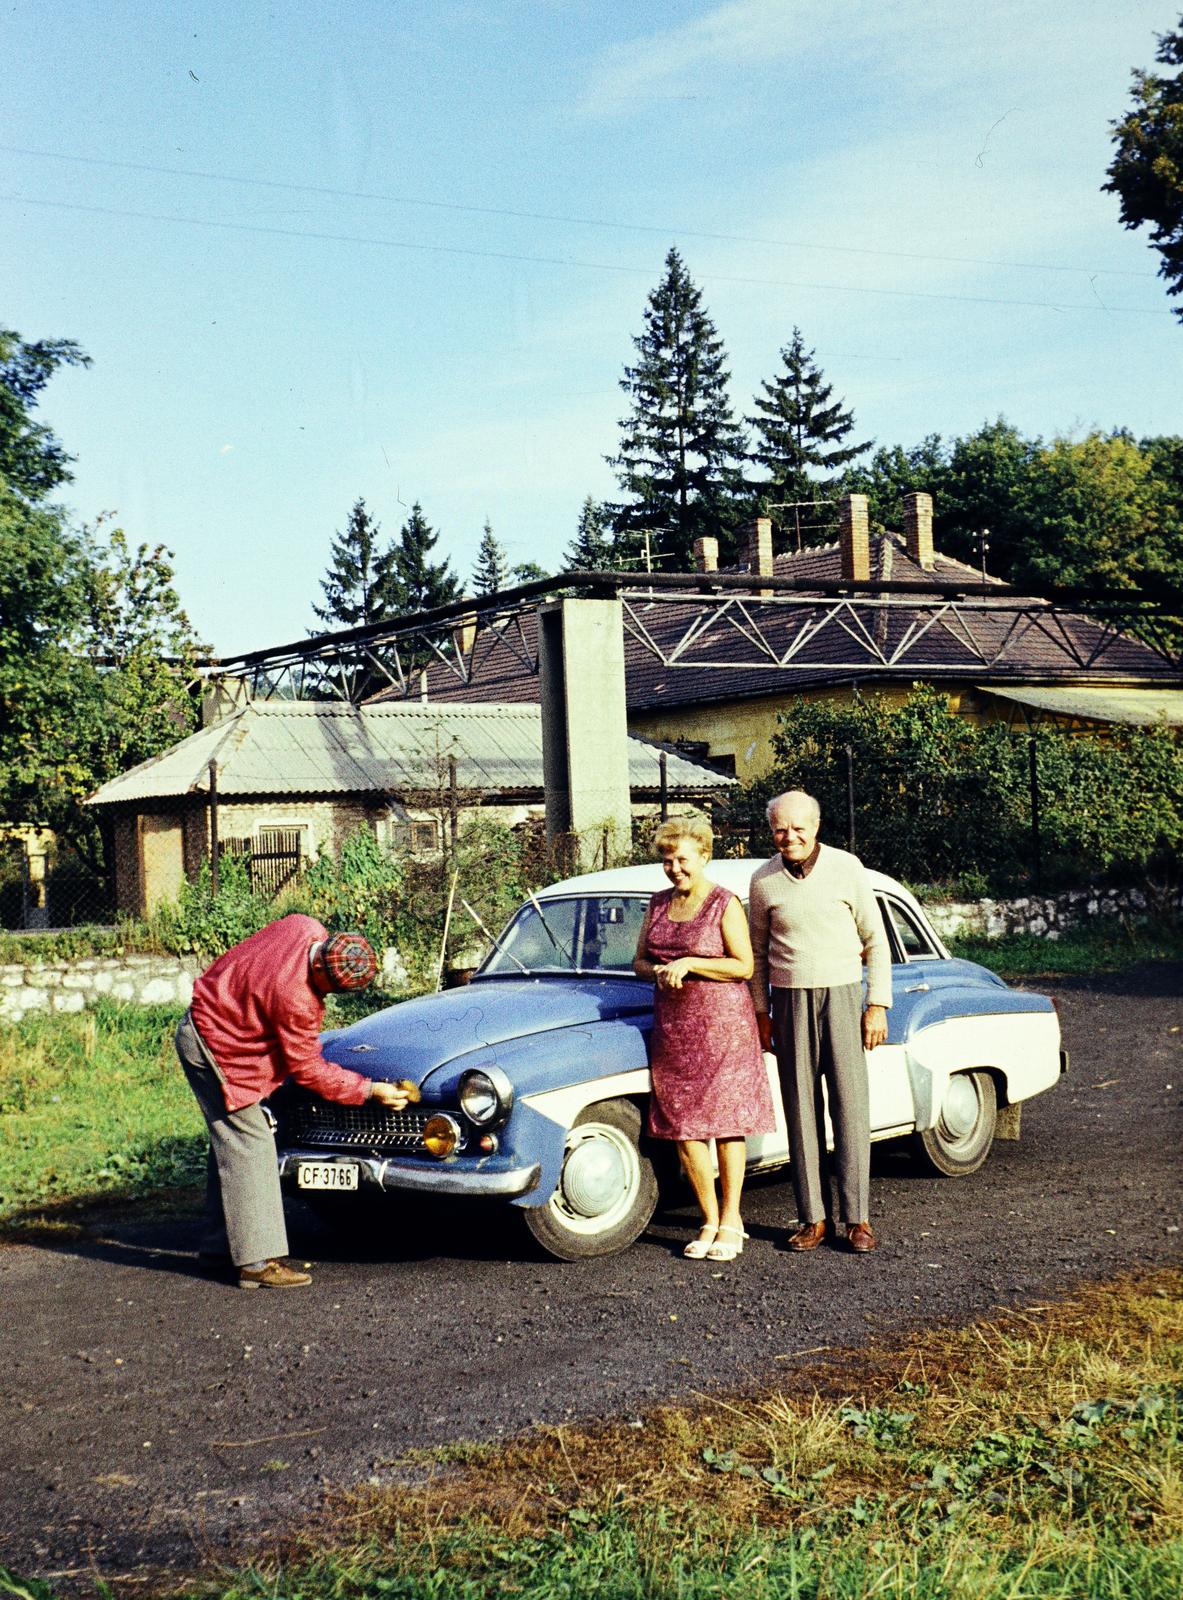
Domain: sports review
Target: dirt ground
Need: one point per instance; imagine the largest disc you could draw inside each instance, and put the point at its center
(156, 1417)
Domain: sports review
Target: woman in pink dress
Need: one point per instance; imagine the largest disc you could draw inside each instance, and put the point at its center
(709, 1080)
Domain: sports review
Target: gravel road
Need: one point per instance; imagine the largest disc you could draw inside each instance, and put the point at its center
(154, 1417)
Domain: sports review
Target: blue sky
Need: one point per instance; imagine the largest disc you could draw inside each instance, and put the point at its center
(400, 250)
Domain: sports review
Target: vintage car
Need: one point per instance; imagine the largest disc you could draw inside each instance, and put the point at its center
(534, 1077)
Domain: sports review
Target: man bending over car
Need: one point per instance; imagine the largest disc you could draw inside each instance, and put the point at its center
(255, 1020)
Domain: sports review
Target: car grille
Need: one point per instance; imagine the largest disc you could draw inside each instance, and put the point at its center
(322, 1122)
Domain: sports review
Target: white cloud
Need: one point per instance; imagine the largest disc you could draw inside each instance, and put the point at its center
(662, 64)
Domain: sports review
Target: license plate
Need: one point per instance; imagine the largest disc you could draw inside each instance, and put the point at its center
(326, 1175)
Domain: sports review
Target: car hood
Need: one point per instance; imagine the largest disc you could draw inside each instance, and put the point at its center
(413, 1039)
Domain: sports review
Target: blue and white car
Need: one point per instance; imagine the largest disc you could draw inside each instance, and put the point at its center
(535, 1077)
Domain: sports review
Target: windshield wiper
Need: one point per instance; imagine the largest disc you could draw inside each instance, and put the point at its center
(493, 939)
(561, 948)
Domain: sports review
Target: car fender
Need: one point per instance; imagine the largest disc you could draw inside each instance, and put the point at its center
(1020, 1047)
(556, 1074)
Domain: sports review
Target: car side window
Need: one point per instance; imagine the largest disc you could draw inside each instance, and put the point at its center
(910, 937)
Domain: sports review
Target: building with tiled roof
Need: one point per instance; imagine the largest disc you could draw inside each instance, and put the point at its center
(713, 677)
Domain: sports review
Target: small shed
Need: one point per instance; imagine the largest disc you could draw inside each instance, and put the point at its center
(281, 780)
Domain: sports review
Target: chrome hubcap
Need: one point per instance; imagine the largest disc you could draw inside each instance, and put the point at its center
(961, 1110)
(593, 1177)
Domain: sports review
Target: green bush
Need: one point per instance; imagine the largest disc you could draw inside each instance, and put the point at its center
(202, 923)
(939, 798)
(361, 889)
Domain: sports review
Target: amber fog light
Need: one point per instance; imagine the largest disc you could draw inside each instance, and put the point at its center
(441, 1135)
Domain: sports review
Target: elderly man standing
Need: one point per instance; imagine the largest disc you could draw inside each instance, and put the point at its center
(814, 920)
(255, 1020)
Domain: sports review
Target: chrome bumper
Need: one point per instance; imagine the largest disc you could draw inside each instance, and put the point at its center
(491, 1180)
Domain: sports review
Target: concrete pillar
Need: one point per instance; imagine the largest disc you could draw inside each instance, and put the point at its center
(584, 727)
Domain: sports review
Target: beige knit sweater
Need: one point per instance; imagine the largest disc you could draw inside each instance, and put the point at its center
(813, 932)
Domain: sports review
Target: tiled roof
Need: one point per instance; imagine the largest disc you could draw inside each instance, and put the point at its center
(284, 747)
(728, 661)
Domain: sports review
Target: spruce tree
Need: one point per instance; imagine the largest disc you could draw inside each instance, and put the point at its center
(424, 583)
(362, 584)
(801, 434)
(591, 548)
(680, 447)
(492, 569)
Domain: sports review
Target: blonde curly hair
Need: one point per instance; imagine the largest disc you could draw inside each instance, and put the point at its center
(670, 834)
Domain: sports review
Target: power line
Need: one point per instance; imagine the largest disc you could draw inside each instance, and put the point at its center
(546, 216)
(568, 261)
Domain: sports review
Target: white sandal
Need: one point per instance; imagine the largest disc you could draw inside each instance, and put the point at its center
(721, 1251)
(698, 1249)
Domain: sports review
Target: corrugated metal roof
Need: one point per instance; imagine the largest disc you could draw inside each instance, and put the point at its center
(273, 747)
(1140, 707)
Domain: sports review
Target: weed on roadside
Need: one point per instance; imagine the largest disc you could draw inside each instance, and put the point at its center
(1033, 1454)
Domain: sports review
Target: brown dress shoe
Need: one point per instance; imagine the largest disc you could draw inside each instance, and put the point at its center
(274, 1275)
(808, 1237)
(860, 1237)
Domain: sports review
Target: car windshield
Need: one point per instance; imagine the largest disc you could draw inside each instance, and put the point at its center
(580, 933)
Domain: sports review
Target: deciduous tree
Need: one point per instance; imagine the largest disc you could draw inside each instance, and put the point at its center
(33, 462)
(1146, 172)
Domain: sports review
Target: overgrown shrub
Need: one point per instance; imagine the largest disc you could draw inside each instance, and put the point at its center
(201, 923)
(363, 888)
(939, 798)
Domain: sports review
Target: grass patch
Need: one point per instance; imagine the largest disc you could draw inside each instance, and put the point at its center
(1035, 1455)
(1104, 946)
(94, 1103)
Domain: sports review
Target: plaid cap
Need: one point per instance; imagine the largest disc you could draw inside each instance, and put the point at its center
(348, 960)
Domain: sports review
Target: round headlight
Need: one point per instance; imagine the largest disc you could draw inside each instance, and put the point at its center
(441, 1135)
(486, 1096)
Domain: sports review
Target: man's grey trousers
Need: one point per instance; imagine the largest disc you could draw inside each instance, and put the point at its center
(818, 1037)
(243, 1203)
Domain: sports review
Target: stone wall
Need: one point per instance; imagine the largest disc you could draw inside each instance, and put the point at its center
(74, 985)
(1048, 915)
(136, 980)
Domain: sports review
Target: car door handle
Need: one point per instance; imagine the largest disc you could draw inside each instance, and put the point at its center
(918, 988)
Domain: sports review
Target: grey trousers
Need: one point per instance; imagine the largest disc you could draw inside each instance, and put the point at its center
(818, 1038)
(243, 1203)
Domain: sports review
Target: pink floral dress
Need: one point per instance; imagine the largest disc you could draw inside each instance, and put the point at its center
(709, 1080)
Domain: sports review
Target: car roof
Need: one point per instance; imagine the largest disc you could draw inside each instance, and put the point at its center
(735, 875)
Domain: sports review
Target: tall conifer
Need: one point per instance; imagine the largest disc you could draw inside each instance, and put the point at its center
(425, 583)
(591, 548)
(362, 583)
(800, 434)
(680, 447)
(491, 573)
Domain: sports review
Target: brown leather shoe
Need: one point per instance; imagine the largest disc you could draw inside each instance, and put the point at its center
(808, 1237)
(275, 1275)
(860, 1238)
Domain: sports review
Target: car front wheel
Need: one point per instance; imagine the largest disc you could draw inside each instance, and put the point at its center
(607, 1190)
(964, 1130)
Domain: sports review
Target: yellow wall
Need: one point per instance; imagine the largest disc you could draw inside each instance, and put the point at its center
(743, 729)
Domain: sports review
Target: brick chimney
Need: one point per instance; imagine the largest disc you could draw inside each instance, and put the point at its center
(759, 553)
(854, 537)
(918, 529)
(706, 554)
(464, 633)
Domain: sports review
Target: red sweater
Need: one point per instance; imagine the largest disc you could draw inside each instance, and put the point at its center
(260, 1018)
